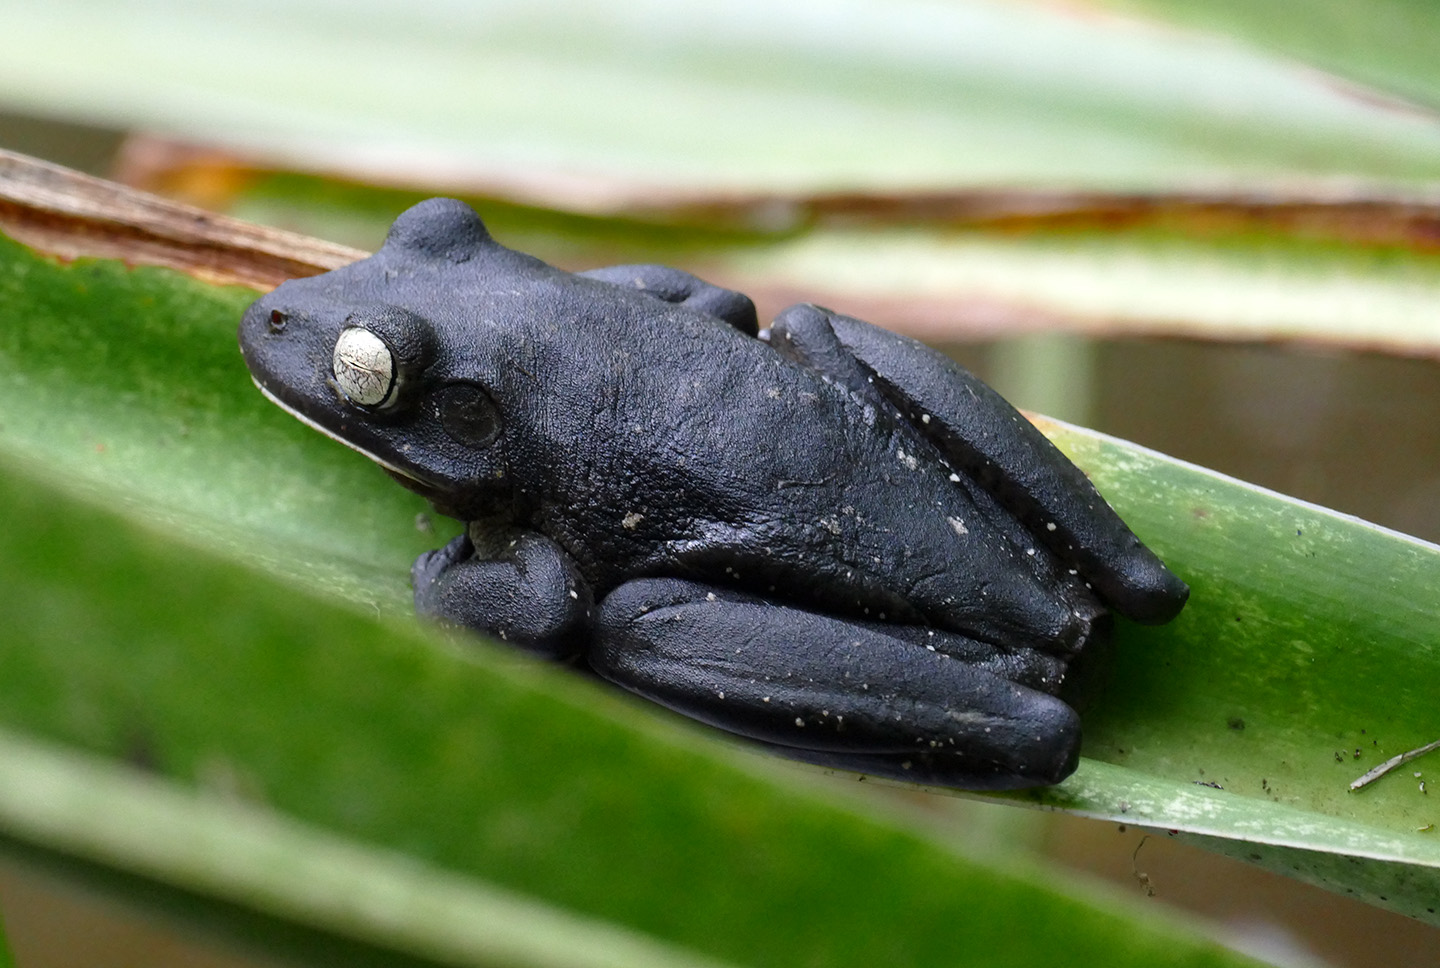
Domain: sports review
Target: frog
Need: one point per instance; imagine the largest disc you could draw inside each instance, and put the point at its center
(822, 536)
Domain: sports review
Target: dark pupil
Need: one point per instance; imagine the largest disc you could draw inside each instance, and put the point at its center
(468, 415)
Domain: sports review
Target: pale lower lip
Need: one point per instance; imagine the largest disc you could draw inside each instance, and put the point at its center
(331, 434)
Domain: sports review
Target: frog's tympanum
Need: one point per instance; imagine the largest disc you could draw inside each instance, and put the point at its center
(822, 536)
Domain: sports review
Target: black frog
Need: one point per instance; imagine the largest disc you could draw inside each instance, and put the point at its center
(822, 536)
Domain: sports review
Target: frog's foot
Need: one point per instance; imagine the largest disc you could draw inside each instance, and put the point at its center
(836, 692)
(429, 566)
(527, 593)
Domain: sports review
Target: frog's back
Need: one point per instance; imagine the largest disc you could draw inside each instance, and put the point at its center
(681, 446)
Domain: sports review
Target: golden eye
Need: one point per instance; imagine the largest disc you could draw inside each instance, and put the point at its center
(364, 367)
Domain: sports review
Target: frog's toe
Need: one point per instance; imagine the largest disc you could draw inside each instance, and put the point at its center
(431, 564)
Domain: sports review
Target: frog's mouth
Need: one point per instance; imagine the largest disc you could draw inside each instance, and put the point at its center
(406, 476)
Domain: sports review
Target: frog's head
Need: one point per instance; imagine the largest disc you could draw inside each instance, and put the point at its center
(380, 354)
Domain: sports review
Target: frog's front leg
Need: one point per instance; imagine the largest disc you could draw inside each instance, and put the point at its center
(517, 586)
(676, 286)
(837, 692)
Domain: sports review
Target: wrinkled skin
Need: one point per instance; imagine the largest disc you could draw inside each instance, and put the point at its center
(825, 537)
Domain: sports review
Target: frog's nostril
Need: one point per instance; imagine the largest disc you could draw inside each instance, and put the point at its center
(278, 320)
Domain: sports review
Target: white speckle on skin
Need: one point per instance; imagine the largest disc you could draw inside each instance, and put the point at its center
(632, 520)
(709, 596)
(766, 699)
(959, 526)
(908, 460)
(1030, 552)
(799, 721)
(574, 594)
(924, 418)
(1050, 526)
(720, 695)
(954, 478)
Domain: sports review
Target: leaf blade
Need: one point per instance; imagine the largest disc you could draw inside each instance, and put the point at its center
(899, 97)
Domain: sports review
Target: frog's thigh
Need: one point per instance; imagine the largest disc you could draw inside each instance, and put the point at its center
(829, 690)
(528, 594)
(981, 433)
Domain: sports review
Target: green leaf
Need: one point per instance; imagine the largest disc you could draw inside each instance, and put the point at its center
(262, 708)
(114, 815)
(208, 668)
(1292, 671)
(1387, 44)
(579, 97)
(127, 388)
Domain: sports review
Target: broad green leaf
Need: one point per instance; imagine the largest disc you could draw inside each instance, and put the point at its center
(1303, 660)
(581, 99)
(83, 807)
(123, 386)
(1386, 44)
(288, 764)
(186, 441)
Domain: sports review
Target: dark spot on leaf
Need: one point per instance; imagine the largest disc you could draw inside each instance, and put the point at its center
(1235, 722)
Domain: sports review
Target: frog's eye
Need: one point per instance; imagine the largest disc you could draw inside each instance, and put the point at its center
(468, 414)
(364, 367)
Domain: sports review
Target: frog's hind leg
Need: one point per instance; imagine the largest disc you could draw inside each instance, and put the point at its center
(675, 286)
(992, 443)
(841, 693)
